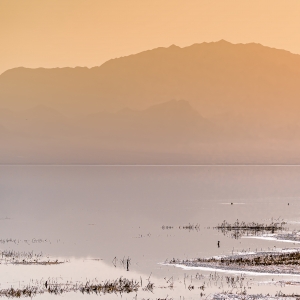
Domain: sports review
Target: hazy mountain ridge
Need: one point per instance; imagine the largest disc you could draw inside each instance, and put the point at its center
(174, 122)
(162, 134)
(213, 77)
(241, 105)
(169, 118)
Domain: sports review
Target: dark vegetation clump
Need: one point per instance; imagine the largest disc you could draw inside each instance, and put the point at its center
(191, 227)
(119, 286)
(292, 258)
(28, 291)
(270, 262)
(239, 229)
(184, 227)
(283, 295)
(26, 258)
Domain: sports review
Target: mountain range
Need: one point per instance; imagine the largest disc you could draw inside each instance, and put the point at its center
(207, 103)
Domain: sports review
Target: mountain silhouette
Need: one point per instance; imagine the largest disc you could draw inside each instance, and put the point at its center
(241, 105)
(172, 122)
(42, 135)
(214, 77)
(40, 121)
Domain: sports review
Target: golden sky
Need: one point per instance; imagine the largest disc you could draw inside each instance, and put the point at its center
(57, 33)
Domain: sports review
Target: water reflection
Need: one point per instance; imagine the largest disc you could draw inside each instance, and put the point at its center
(106, 212)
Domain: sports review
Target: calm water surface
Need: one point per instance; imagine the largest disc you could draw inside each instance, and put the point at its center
(82, 213)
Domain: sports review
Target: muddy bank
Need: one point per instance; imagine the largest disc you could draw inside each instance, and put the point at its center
(283, 262)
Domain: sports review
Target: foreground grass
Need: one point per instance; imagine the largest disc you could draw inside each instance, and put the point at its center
(119, 286)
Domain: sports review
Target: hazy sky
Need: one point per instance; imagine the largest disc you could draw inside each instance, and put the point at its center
(56, 33)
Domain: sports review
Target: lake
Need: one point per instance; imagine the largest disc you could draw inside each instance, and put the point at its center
(102, 220)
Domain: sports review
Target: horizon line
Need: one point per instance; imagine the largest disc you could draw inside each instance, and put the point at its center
(149, 165)
(158, 47)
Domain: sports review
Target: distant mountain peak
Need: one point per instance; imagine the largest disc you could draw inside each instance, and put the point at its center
(215, 77)
(224, 42)
(173, 46)
(175, 109)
